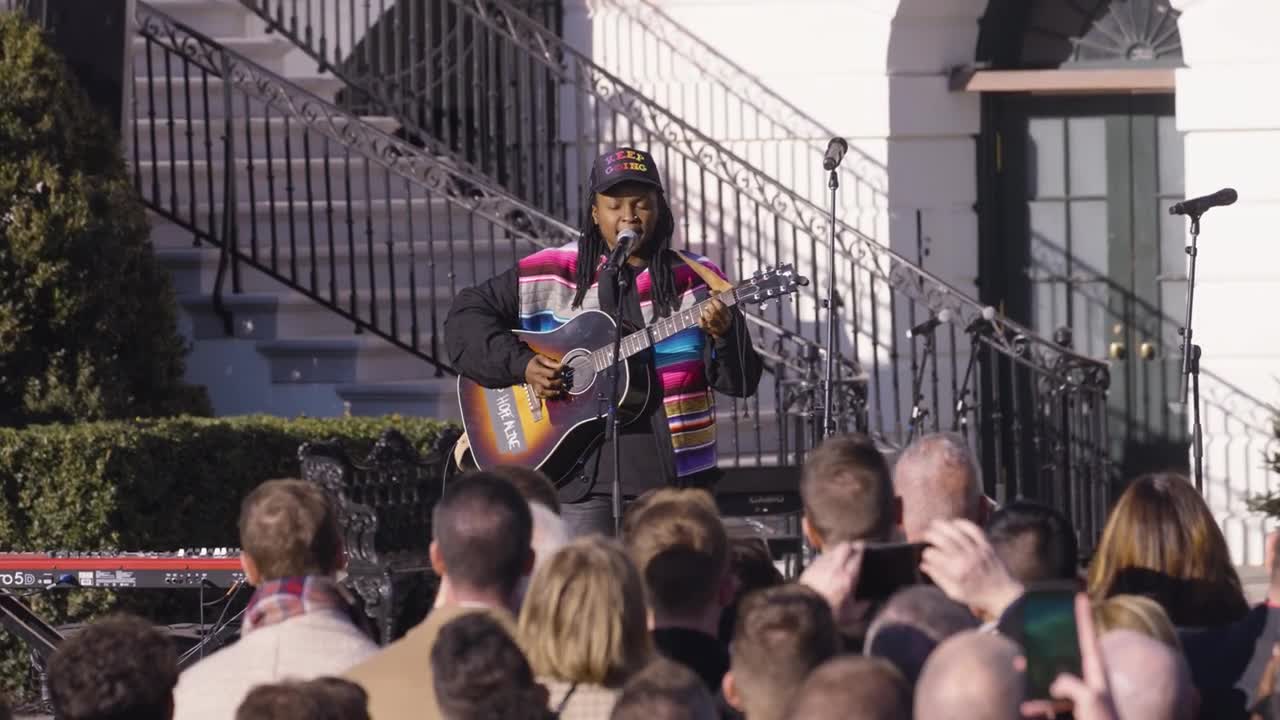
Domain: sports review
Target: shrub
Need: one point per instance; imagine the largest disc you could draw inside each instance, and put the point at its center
(87, 316)
(148, 485)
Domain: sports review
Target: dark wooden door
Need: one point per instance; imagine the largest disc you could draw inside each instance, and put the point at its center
(1084, 242)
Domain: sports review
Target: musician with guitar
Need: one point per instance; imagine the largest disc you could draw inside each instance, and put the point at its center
(534, 347)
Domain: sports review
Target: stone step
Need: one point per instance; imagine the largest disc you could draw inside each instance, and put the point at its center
(263, 134)
(281, 315)
(266, 50)
(194, 269)
(180, 181)
(341, 360)
(220, 18)
(172, 97)
(436, 398)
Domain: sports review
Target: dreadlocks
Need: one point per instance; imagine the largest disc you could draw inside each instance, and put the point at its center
(591, 246)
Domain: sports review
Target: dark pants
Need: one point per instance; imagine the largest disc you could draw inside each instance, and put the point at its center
(591, 514)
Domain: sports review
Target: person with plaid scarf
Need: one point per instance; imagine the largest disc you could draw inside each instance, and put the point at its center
(298, 624)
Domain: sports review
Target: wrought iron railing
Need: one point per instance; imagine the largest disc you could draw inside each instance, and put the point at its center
(287, 185)
(332, 206)
(732, 211)
(656, 53)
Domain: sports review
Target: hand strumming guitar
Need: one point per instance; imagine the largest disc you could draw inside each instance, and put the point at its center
(543, 375)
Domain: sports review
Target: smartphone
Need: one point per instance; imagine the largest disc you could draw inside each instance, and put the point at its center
(888, 567)
(1043, 622)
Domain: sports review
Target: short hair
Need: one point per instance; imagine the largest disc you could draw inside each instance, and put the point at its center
(664, 690)
(289, 528)
(325, 698)
(343, 699)
(532, 484)
(682, 551)
(584, 617)
(480, 673)
(937, 478)
(913, 622)
(752, 564)
(782, 634)
(483, 530)
(281, 701)
(117, 668)
(636, 508)
(853, 688)
(1036, 542)
(1137, 613)
(847, 491)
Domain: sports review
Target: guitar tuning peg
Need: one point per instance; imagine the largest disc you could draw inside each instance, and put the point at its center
(764, 306)
(756, 274)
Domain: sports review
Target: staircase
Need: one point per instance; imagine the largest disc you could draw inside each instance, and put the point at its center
(321, 283)
(347, 260)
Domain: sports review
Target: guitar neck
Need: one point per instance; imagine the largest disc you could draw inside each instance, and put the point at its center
(661, 329)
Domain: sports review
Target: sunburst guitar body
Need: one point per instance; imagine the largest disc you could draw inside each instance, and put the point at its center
(512, 426)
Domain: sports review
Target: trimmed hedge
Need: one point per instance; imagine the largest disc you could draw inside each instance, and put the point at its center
(160, 484)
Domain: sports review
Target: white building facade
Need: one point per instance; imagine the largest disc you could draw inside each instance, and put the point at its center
(1038, 169)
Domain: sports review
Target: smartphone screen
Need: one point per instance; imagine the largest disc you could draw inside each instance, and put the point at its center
(1044, 623)
(887, 567)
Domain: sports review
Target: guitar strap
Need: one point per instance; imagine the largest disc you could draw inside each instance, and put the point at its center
(713, 281)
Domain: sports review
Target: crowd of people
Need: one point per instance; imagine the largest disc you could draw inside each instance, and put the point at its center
(677, 620)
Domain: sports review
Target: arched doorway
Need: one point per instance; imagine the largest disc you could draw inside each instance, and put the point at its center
(1079, 159)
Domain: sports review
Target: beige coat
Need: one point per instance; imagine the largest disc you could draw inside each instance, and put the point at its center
(398, 679)
(319, 643)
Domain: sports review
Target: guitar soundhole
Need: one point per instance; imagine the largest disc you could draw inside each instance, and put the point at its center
(579, 371)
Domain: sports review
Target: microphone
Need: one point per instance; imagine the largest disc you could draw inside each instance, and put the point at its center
(928, 326)
(983, 322)
(627, 239)
(1197, 206)
(835, 153)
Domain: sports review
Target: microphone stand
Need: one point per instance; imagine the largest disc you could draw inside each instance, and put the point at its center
(828, 376)
(615, 388)
(917, 388)
(1191, 359)
(961, 420)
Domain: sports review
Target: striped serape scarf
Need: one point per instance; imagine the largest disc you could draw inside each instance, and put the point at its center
(278, 600)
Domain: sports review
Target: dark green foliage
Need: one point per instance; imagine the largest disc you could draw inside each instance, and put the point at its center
(148, 485)
(1269, 501)
(87, 317)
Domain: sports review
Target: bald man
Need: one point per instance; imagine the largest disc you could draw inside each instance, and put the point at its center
(1149, 680)
(971, 676)
(936, 478)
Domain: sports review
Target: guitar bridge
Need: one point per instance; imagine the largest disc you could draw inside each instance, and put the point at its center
(535, 404)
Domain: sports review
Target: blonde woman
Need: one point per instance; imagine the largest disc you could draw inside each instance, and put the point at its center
(1137, 613)
(584, 627)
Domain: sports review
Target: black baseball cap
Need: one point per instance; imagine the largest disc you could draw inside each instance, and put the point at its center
(624, 165)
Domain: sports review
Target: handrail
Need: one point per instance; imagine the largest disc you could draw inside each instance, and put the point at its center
(424, 179)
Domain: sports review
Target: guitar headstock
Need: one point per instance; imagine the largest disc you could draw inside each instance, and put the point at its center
(765, 285)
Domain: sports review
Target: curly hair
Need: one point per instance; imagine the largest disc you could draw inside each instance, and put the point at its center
(120, 668)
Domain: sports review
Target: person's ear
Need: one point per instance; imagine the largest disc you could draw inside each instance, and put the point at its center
(437, 560)
(811, 533)
(730, 690)
(250, 569)
(595, 218)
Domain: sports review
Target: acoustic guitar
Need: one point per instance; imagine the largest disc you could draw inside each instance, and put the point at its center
(512, 426)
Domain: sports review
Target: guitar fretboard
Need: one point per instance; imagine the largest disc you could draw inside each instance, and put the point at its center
(660, 330)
